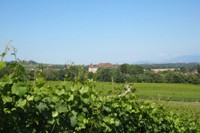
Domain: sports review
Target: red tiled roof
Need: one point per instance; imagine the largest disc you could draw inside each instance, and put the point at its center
(105, 65)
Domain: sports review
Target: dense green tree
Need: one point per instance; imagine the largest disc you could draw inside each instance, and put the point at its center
(145, 77)
(55, 75)
(169, 77)
(119, 76)
(193, 79)
(198, 69)
(184, 69)
(158, 78)
(91, 75)
(131, 69)
(110, 74)
(76, 73)
(178, 78)
(105, 74)
(136, 69)
(125, 68)
(175, 77)
(131, 78)
(192, 69)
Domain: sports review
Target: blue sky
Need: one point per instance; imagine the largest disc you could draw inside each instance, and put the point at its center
(93, 31)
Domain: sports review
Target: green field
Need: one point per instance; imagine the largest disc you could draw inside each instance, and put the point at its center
(183, 99)
(153, 91)
(169, 92)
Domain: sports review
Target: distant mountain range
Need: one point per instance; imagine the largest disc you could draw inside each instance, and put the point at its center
(180, 59)
(144, 62)
(186, 59)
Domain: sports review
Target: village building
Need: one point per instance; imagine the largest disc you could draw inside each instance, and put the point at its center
(163, 69)
(93, 68)
(105, 65)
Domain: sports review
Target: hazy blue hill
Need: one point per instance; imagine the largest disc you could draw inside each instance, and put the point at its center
(186, 59)
(143, 62)
(180, 59)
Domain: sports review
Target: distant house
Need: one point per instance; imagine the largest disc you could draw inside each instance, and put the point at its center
(163, 69)
(105, 65)
(93, 68)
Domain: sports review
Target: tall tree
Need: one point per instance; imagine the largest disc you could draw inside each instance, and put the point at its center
(198, 69)
(119, 76)
(105, 74)
(125, 68)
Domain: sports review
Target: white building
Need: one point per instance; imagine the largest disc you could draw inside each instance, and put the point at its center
(163, 69)
(92, 68)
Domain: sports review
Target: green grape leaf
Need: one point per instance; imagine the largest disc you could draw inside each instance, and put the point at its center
(84, 90)
(19, 90)
(54, 114)
(6, 99)
(61, 108)
(117, 123)
(51, 121)
(71, 97)
(41, 107)
(85, 98)
(60, 92)
(73, 118)
(7, 111)
(40, 82)
(30, 98)
(21, 103)
(73, 121)
(81, 117)
(2, 65)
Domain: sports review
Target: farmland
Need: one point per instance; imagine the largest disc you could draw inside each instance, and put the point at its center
(169, 92)
(182, 99)
(187, 95)
(153, 91)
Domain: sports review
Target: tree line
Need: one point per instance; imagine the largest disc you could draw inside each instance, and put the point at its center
(137, 74)
(121, 74)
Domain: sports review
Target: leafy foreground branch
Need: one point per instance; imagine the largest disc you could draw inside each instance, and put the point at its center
(31, 107)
